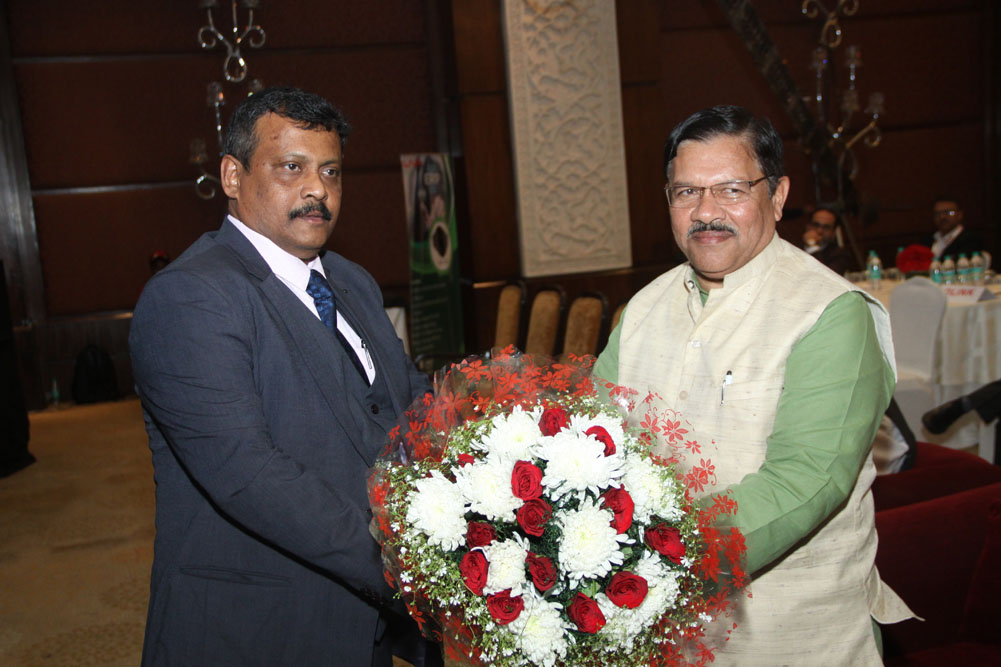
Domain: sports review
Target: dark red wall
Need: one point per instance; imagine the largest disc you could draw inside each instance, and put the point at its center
(112, 93)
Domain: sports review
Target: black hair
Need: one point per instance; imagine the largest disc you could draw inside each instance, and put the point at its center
(947, 197)
(830, 209)
(728, 120)
(307, 110)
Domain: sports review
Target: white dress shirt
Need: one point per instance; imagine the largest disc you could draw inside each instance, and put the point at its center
(294, 273)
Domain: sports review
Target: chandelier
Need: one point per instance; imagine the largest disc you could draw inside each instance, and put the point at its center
(837, 106)
(234, 71)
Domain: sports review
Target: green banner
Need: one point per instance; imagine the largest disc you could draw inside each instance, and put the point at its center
(435, 297)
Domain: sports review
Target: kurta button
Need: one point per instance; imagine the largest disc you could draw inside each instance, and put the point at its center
(375, 409)
(683, 395)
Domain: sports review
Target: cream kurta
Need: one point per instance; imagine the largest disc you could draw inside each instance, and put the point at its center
(810, 607)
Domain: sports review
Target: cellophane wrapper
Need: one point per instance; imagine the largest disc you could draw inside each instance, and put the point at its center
(531, 514)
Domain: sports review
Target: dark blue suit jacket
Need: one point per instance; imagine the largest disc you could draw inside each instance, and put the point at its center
(263, 554)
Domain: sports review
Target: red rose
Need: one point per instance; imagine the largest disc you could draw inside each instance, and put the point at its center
(542, 570)
(586, 614)
(534, 515)
(526, 481)
(627, 590)
(666, 540)
(479, 534)
(621, 504)
(553, 421)
(601, 435)
(503, 607)
(473, 569)
(466, 459)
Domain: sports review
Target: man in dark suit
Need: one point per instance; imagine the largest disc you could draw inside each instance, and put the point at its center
(951, 237)
(821, 240)
(269, 375)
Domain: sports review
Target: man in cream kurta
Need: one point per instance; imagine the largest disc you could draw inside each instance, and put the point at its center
(787, 368)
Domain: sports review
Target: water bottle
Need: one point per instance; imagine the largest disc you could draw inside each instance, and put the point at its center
(874, 267)
(977, 269)
(893, 273)
(948, 270)
(935, 272)
(963, 269)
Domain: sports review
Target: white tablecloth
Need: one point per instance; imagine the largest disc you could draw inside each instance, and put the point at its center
(968, 357)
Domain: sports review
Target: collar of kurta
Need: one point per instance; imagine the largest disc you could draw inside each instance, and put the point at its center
(751, 271)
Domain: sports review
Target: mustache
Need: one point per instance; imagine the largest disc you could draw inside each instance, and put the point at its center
(713, 226)
(314, 207)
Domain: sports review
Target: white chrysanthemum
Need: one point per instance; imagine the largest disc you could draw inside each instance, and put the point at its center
(438, 509)
(513, 437)
(590, 545)
(577, 463)
(612, 425)
(507, 567)
(668, 507)
(541, 631)
(486, 487)
(646, 487)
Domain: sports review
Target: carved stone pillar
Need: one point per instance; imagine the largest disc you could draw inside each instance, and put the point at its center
(566, 120)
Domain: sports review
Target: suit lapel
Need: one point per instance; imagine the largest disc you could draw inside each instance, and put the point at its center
(360, 319)
(319, 352)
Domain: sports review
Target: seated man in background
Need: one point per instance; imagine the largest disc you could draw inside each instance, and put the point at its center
(821, 241)
(951, 237)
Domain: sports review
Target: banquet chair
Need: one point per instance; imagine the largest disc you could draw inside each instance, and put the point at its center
(510, 306)
(585, 319)
(397, 314)
(617, 315)
(916, 309)
(544, 320)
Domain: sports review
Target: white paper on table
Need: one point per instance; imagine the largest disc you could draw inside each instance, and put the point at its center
(967, 293)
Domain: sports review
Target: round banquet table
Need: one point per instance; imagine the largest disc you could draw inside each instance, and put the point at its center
(968, 356)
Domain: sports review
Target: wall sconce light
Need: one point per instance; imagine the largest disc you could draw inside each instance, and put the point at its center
(234, 71)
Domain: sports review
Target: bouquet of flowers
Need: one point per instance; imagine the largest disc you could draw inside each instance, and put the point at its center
(525, 522)
(914, 259)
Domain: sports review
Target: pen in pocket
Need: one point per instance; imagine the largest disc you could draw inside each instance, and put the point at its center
(727, 379)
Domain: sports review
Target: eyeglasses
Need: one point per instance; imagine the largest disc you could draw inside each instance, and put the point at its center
(951, 213)
(725, 194)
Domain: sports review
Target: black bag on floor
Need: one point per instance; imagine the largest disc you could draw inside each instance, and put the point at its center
(94, 378)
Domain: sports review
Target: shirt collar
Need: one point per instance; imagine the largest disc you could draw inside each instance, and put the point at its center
(950, 237)
(286, 266)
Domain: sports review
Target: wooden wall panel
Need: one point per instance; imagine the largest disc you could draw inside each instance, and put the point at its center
(112, 92)
(96, 246)
(61, 27)
(490, 183)
(691, 81)
(652, 241)
(132, 120)
(113, 122)
(479, 46)
(372, 229)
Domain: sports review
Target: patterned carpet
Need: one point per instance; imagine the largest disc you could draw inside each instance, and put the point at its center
(76, 540)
